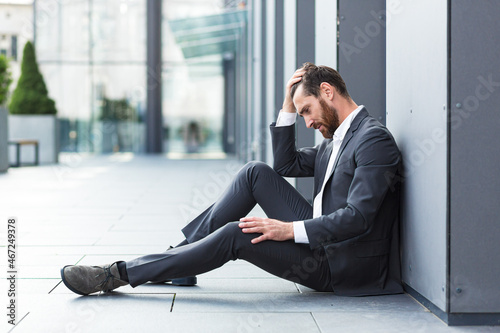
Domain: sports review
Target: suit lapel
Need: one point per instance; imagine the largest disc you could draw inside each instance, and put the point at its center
(323, 163)
(348, 136)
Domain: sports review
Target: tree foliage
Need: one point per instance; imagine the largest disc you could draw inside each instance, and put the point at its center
(31, 95)
(5, 79)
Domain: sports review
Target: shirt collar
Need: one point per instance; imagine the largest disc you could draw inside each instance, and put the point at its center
(341, 131)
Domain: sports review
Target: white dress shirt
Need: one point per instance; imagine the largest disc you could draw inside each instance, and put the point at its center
(287, 119)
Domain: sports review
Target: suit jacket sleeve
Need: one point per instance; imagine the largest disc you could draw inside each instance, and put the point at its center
(376, 158)
(288, 160)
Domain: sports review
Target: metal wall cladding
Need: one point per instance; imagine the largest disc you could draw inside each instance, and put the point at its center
(361, 52)
(417, 116)
(474, 157)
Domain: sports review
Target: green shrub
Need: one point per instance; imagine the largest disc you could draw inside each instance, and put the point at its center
(117, 109)
(5, 79)
(31, 95)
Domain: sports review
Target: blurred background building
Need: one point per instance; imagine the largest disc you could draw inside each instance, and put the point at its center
(16, 28)
(93, 55)
(221, 74)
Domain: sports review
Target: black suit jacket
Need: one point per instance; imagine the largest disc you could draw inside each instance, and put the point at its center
(359, 230)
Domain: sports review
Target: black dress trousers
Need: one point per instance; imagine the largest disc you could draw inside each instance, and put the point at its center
(215, 238)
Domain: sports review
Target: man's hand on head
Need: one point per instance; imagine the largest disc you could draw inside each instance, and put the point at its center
(269, 228)
(288, 102)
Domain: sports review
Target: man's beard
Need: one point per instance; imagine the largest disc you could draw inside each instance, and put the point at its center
(329, 120)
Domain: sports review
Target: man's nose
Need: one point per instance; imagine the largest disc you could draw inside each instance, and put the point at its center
(309, 122)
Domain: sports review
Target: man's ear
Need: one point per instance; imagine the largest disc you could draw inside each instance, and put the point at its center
(327, 90)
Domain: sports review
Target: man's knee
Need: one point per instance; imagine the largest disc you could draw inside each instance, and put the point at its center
(254, 168)
(231, 231)
(233, 235)
(256, 165)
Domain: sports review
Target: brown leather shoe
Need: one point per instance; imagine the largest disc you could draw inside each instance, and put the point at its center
(85, 280)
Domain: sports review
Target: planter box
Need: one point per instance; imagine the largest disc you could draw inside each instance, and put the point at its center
(4, 136)
(43, 128)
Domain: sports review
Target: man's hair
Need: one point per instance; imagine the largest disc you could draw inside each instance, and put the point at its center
(315, 75)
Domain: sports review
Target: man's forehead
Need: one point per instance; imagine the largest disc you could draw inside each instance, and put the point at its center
(300, 98)
(299, 94)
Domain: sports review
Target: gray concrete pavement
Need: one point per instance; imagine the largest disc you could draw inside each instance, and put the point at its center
(99, 209)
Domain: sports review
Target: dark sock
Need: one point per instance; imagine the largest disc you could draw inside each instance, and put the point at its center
(184, 242)
(122, 268)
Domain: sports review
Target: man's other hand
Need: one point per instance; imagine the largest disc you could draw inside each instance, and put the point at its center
(270, 229)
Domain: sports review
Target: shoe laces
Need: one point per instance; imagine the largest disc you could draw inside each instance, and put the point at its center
(103, 286)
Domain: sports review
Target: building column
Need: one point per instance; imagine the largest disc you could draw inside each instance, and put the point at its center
(154, 123)
(229, 128)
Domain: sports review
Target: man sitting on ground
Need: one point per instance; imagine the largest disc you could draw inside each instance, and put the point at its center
(346, 241)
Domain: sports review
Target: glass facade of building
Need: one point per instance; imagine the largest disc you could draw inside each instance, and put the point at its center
(93, 56)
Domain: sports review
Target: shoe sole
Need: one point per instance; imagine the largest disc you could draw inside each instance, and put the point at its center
(182, 282)
(68, 285)
(185, 282)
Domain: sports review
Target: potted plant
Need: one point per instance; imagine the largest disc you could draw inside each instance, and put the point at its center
(32, 112)
(5, 81)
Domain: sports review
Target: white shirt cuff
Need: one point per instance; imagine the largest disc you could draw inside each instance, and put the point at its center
(286, 119)
(299, 232)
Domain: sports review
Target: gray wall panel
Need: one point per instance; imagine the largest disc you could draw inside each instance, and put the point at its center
(362, 52)
(270, 77)
(475, 157)
(262, 130)
(279, 84)
(305, 53)
(416, 115)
